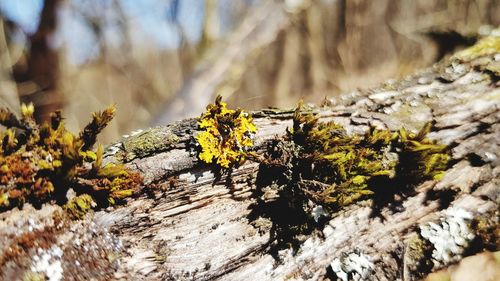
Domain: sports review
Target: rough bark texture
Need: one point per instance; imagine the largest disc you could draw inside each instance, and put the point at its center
(190, 225)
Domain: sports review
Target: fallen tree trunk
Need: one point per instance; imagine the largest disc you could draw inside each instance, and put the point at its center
(190, 224)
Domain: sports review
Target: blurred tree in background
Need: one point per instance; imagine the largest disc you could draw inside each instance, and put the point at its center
(161, 60)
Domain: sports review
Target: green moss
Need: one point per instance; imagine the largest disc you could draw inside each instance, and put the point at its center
(417, 256)
(40, 163)
(482, 55)
(487, 232)
(416, 248)
(33, 276)
(319, 164)
(78, 206)
(346, 165)
(485, 47)
(149, 142)
(420, 157)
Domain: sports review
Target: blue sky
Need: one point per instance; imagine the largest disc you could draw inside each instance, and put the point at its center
(24, 12)
(153, 22)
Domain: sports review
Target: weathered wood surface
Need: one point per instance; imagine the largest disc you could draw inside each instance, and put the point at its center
(189, 226)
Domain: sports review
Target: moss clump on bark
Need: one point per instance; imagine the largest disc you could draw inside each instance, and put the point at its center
(147, 143)
(318, 168)
(487, 46)
(40, 163)
(335, 169)
(483, 55)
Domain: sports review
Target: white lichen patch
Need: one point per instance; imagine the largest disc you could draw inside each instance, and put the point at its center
(318, 212)
(451, 237)
(383, 96)
(188, 177)
(32, 225)
(133, 133)
(352, 266)
(113, 149)
(48, 262)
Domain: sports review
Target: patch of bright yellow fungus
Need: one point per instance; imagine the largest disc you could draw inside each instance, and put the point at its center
(226, 136)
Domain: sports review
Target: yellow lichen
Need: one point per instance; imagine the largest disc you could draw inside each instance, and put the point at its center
(226, 136)
(487, 46)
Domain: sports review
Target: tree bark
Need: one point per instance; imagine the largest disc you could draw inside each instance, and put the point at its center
(189, 224)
